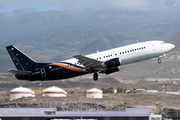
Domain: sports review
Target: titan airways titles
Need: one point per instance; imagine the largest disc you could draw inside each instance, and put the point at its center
(104, 62)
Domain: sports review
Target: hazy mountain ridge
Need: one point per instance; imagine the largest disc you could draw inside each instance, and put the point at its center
(175, 53)
(172, 3)
(58, 35)
(83, 39)
(27, 22)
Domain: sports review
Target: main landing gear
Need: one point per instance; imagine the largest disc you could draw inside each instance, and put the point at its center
(159, 60)
(95, 76)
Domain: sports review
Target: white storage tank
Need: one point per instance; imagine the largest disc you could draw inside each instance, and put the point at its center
(54, 92)
(21, 92)
(94, 93)
(33, 93)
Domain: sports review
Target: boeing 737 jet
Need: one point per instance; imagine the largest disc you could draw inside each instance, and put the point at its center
(104, 62)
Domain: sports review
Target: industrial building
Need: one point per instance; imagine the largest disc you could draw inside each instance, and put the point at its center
(53, 114)
(155, 117)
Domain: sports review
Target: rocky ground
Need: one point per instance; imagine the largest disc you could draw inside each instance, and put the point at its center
(160, 103)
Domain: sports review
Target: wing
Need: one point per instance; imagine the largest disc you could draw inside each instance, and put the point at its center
(89, 63)
(19, 72)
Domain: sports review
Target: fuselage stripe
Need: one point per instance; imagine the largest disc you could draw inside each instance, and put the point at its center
(70, 68)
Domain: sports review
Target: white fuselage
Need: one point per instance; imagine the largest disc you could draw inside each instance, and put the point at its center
(131, 53)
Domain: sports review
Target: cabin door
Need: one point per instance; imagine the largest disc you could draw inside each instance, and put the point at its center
(153, 47)
(43, 72)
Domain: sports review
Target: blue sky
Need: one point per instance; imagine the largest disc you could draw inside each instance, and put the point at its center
(45, 5)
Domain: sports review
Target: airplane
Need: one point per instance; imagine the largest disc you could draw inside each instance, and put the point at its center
(105, 62)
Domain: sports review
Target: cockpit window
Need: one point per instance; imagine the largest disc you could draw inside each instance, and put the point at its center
(162, 42)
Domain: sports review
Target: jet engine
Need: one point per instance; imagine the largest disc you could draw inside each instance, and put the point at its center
(110, 70)
(112, 63)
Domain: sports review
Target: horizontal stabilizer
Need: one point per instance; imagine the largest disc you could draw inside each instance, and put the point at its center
(19, 72)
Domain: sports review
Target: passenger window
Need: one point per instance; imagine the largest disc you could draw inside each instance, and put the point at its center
(99, 57)
(120, 52)
(123, 52)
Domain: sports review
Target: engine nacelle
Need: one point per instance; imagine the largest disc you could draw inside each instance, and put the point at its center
(111, 70)
(112, 63)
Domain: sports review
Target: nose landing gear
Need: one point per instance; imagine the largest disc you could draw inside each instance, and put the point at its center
(159, 60)
(95, 76)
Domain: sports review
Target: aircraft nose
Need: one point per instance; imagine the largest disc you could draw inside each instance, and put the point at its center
(169, 46)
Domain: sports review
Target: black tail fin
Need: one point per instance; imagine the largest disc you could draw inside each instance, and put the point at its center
(21, 60)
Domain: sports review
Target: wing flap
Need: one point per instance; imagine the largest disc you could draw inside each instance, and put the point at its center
(19, 72)
(89, 63)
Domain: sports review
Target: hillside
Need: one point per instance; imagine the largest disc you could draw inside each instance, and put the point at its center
(21, 22)
(84, 39)
(63, 42)
(53, 36)
(175, 53)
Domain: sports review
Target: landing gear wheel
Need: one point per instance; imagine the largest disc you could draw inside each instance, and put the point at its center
(95, 76)
(159, 60)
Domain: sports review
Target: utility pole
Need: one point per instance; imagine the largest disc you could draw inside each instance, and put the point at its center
(81, 99)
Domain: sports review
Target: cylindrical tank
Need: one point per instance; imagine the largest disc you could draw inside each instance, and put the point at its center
(33, 93)
(94, 93)
(54, 92)
(21, 92)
